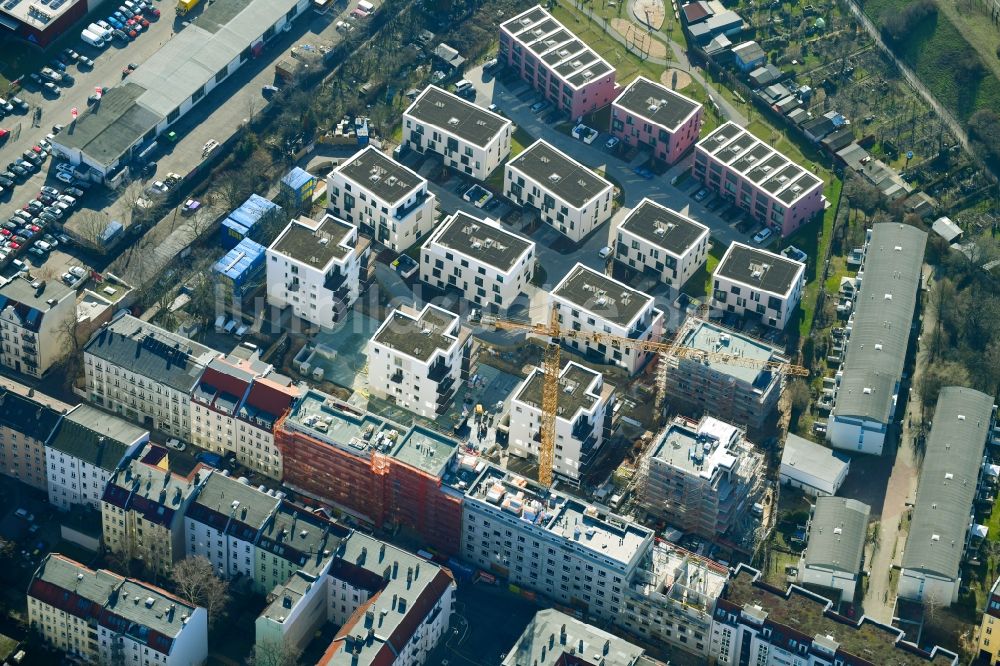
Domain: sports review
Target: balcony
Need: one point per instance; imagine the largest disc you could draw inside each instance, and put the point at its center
(438, 370)
(404, 211)
(446, 397)
(334, 281)
(28, 337)
(582, 429)
(397, 378)
(445, 385)
(292, 286)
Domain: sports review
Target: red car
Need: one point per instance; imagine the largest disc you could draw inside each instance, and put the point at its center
(6, 232)
(4, 133)
(144, 21)
(154, 12)
(35, 228)
(132, 34)
(14, 245)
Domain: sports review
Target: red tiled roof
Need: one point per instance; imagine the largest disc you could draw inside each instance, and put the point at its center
(224, 382)
(695, 11)
(271, 397)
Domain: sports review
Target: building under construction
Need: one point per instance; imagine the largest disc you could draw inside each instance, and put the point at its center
(372, 468)
(737, 393)
(703, 477)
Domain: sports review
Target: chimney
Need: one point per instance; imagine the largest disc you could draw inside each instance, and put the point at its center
(581, 646)
(395, 569)
(607, 646)
(402, 604)
(409, 577)
(394, 597)
(381, 552)
(562, 635)
(416, 571)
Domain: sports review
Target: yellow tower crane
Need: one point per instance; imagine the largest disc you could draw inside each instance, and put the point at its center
(554, 333)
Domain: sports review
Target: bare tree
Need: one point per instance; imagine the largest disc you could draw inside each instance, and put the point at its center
(273, 653)
(91, 227)
(197, 583)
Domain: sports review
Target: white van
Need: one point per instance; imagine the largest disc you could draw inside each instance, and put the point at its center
(366, 6)
(90, 38)
(103, 33)
(462, 85)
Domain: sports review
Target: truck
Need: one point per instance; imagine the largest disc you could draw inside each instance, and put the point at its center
(101, 32)
(184, 6)
(92, 39)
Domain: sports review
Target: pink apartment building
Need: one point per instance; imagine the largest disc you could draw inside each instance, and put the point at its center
(556, 63)
(747, 172)
(651, 116)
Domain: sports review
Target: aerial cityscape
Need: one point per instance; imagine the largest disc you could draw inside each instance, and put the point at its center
(495, 333)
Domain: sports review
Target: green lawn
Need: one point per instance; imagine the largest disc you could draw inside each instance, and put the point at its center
(700, 284)
(519, 140)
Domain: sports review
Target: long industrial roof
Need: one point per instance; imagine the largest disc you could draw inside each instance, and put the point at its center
(837, 534)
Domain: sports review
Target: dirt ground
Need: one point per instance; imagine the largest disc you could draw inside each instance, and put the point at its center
(637, 35)
(683, 78)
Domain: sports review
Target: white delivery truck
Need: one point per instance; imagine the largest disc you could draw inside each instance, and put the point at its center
(366, 6)
(92, 39)
(103, 33)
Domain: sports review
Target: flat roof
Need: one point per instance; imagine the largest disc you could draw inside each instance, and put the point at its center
(316, 243)
(880, 327)
(324, 418)
(24, 291)
(663, 227)
(575, 395)
(948, 482)
(38, 16)
(375, 172)
(96, 437)
(533, 645)
(426, 450)
(837, 534)
(657, 103)
(602, 296)
(754, 159)
(483, 239)
(419, 334)
(555, 171)
(705, 336)
(813, 459)
(453, 114)
(700, 449)
(574, 61)
(760, 269)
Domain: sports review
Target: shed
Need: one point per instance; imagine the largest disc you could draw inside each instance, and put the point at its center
(298, 185)
(241, 221)
(239, 269)
(947, 229)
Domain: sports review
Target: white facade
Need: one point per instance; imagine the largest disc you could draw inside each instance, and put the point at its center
(584, 420)
(592, 302)
(751, 280)
(417, 360)
(568, 196)
(813, 468)
(656, 240)
(315, 268)
(490, 266)
(470, 139)
(34, 321)
(382, 197)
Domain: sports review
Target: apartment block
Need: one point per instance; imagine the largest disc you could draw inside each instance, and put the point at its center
(662, 243)
(941, 526)
(566, 195)
(318, 269)
(87, 447)
(103, 618)
(373, 469)
(393, 607)
(487, 264)
(145, 373)
(588, 301)
(748, 173)
(752, 282)
(557, 64)
(469, 138)
(703, 477)
(142, 510)
(878, 337)
(583, 421)
(551, 543)
(553, 638)
(26, 424)
(757, 623)
(654, 118)
(36, 318)
(989, 645)
(733, 393)
(382, 198)
(417, 360)
(235, 408)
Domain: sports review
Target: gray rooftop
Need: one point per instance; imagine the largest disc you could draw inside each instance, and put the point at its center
(760, 269)
(574, 389)
(484, 240)
(657, 103)
(105, 131)
(948, 482)
(96, 437)
(150, 351)
(837, 534)
(426, 450)
(880, 330)
(22, 291)
(708, 337)
(567, 179)
(602, 296)
(551, 627)
(67, 574)
(813, 459)
(315, 243)
(420, 335)
(453, 114)
(663, 227)
(153, 608)
(373, 171)
(224, 497)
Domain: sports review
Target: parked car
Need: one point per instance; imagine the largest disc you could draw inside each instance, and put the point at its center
(539, 106)
(19, 103)
(84, 61)
(73, 192)
(64, 177)
(701, 194)
(762, 235)
(612, 143)
(67, 199)
(51, 88)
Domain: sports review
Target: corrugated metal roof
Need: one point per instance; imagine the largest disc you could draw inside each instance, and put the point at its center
(245, 257)
(837, 534)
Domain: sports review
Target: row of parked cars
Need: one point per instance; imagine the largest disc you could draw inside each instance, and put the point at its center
(123, 25)
(27, 230)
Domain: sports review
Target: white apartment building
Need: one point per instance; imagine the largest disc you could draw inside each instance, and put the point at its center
(583, 421)
(315, 268)
(86, 448)
(553, 638)
(223, 523)
(145, 373)
(235, 407)
(657, 241)
(469, 138)
(755, 282)
(101, 617)
(383, 198)
(590, 301)
(489, 266)
(554, 544)
(417, 360)
(35, 320)
(568, 196)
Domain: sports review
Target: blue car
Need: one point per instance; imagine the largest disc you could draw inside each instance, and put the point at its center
(121, 17)
(115, 23)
